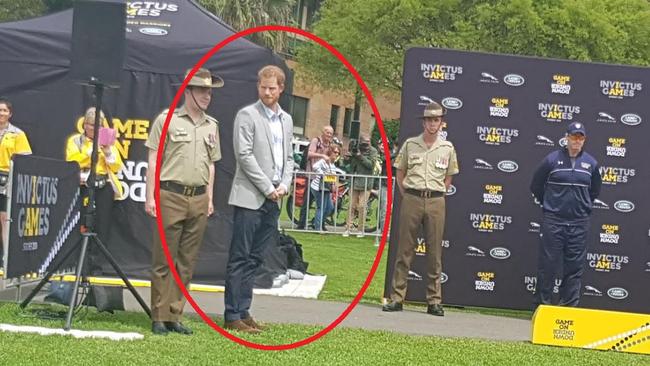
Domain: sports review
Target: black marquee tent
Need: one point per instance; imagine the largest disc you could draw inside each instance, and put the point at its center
(163, 39)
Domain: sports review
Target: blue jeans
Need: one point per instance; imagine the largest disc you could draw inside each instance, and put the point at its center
(253, 231)
(324, 206)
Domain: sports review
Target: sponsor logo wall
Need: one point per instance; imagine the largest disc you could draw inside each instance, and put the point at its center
(505, 114)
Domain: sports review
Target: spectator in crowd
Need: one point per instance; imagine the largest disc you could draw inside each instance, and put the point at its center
(12, 141)
(425, 167)
(566, 183)
(362, 162)
(108, 188)
(383, 186)
(192, 146)
(322, 185)
(262, 135)
(316, 150)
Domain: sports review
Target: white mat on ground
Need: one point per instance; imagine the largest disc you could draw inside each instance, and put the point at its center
(309, 288)
(115, 336)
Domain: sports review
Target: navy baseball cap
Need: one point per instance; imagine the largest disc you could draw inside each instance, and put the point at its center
(576, 127)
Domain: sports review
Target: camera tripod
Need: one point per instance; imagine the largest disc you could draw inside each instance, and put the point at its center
(89, 236)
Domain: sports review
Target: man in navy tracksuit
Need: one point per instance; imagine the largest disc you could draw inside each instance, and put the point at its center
(566, 183)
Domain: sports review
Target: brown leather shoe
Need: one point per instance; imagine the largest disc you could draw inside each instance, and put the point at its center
(253, 324)
(240, 326)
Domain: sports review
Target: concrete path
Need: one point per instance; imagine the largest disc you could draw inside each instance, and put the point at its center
(413, 320)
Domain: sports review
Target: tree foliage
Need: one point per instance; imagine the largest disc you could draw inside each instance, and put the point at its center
(11, 10)
(374, 34)
(244, 14)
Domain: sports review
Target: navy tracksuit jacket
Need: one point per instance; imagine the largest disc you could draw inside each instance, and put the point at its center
(566, 191)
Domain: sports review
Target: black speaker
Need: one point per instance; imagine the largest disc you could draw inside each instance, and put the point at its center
(98, 41)
(355, 129)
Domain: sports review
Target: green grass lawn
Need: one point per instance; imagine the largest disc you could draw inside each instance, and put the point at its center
(206, 347)
(346, 263)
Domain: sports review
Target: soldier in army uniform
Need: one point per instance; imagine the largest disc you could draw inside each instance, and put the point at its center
(425, 166)
(186, 180)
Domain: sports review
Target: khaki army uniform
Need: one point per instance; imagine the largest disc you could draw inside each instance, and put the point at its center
(190, 148)
(423, 204)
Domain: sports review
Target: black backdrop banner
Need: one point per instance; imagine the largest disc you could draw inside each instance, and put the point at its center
(163, 39)
(505, 114)
(44, 211)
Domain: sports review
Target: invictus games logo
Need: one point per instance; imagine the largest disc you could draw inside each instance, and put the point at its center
(496, 135)
(493, 194)
(613, 175)
(473, 251)
(609, 234)
(488, 223)
(482, 164)
(531, 282)
(620, 89)
(485, 281)
(557, 112)
(499, 107)
(452, 103)
(616, 147)
(592, 291)
(606, 262)
(149, 8)
(440, 73)
(421, 248)
(486, 77)
(560, 84)
(544, 141)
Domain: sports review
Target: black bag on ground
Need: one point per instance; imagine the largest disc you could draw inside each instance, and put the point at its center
(295, 259)
(104, 298)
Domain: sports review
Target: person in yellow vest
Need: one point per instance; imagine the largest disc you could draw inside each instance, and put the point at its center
(107, 185)
(12, 141)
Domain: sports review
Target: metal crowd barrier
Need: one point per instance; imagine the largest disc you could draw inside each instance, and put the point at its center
(299, 207)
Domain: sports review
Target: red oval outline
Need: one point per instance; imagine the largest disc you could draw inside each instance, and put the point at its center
(389, 202)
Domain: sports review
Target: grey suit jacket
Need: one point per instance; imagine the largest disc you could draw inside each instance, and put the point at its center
(252, 141)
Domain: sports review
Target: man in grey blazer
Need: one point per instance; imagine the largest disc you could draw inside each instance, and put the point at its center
(262, 137)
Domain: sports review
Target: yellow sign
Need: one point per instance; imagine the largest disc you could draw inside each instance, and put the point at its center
(591, 329)
(330, 179)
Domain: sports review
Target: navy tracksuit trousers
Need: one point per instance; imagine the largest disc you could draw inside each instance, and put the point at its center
(563, 250)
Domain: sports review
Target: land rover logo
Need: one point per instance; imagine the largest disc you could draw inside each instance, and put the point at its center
(151, 31)
(563, 142)
(631, 119)
(499, 253)
(452, 103)
(508, 166)
(451, 191)
(617, 293)
(624, 206)
(514, 80)
(443, 277)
